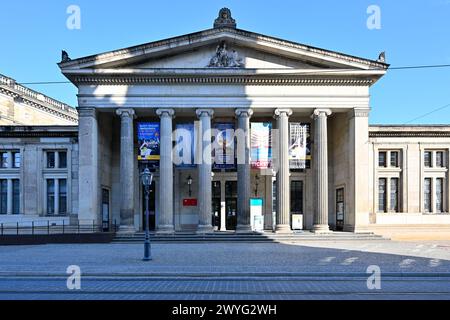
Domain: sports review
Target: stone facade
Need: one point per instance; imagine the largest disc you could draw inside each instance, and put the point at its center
(173, 82)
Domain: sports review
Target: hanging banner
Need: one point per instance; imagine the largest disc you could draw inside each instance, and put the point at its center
(299, 146)
(223, 146)
(261, 148)
(148, 140)
(185, 137)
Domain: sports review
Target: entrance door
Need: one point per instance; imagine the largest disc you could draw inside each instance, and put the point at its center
(340, 209)
(216, 205)
(224, 205)
(297, 205)
(151, 208)
(231, 204)
(105, 210)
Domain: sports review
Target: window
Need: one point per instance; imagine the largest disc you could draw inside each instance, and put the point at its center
(427, 195)
(50, 160)
(16, 158)
(428, 157)
(3, 196)
(62, 195)
(440, 159)
(56, 196)
(382, 158)
(50, 196)
(394, 195)
(297, 197)
(394, 158)
(382, 195)
(56, 159)
(4, 159)
(62, 157)
(16, 196)
(439, 195)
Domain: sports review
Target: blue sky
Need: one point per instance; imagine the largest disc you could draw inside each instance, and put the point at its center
(413, 32)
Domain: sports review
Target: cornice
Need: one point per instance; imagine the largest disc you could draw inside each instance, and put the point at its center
(37, 100)
(409, 134)
(245, 80)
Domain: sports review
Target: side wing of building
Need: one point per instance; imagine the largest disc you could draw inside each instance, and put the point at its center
(409, 178)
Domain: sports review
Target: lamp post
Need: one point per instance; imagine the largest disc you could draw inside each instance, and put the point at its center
(147, 179)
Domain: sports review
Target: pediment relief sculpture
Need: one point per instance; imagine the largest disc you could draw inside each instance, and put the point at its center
(225, 58)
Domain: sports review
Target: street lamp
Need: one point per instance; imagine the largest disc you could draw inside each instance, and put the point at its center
(189, 182)
(147, 179)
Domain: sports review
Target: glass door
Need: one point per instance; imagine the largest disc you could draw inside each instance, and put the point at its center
(216, 205)
(340, 209)
(231, 204)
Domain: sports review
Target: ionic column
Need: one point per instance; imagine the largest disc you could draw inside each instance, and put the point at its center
(243, 170)
(89, 207)
(321, 176)
(283, 183)
(204, 172)
(165, 216)
(126, 170)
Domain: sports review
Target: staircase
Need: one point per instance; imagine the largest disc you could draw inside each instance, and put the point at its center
(246, 237)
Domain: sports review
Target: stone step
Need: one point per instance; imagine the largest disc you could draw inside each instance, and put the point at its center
(258, 237)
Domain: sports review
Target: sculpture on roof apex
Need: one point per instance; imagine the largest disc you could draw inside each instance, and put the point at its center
(224, 19)
(382, 57)
(65, 56)
(226, 59)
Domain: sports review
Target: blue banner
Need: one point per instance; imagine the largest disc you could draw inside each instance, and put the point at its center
(224, 146)
(261, 148)
(185, 138)
(149, 141)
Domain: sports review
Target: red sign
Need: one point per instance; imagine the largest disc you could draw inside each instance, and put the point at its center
(189, 202)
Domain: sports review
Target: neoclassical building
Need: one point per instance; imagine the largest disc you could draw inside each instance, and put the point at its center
(292, 124)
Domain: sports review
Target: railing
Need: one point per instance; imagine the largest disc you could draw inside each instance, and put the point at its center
(49, 228)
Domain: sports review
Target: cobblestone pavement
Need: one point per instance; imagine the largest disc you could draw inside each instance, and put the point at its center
(224, 289)
(312, 270)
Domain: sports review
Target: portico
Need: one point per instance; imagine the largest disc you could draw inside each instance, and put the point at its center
(225, 77)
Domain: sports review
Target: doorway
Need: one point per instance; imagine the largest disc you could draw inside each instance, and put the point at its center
(224, 205)
(151, 208)
(340, 209)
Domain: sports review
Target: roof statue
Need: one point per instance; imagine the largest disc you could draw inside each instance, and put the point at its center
(224, 19)
(65, 56)
(382, 57)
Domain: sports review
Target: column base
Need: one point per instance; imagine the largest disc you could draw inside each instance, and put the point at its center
(321, 228)
(126, 229)
(167, 229)
(283, 228)
(243, 228)
(203, 229)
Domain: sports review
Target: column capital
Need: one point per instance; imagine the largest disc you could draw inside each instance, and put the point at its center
(126, 112)
(87, 112)
(321, 112)
(204, 113)
(282, 112)
(244, 112)
(359, 113)
(165, 113)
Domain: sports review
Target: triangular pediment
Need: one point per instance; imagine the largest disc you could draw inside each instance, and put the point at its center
(253, 51)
